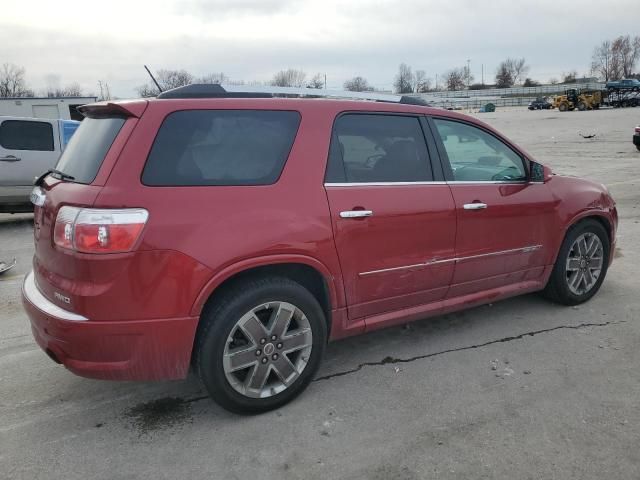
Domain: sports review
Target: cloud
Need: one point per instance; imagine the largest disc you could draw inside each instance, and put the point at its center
(252, 39)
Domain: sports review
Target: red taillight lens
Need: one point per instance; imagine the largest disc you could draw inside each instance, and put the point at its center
(99, 230)
(637, 129)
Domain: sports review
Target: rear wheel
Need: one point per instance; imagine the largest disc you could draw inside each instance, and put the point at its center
(582, 106)
(581, 264)
(260, 345)
(563, 107)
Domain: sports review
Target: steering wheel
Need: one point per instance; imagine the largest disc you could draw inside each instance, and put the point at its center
(373, 159)
(506, 174)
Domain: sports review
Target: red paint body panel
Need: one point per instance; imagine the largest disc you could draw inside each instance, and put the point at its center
(143, 307)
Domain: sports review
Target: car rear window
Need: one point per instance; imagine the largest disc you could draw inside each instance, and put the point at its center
(26, 135)
(221, 147)
(88, 146)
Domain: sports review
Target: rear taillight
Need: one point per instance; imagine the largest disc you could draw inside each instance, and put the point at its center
(90, 230)
(637, 129)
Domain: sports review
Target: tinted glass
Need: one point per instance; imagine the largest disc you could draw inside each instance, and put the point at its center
(475, 155)
(378, 148)
(23, 135)
(88, 146)
(221, 147)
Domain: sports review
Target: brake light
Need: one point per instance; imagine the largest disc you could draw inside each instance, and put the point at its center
(637, 129)
(90, 230)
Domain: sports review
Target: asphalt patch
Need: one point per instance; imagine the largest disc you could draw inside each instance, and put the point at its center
(159, 414)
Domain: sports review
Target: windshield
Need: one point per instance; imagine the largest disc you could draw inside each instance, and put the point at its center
(88, 147)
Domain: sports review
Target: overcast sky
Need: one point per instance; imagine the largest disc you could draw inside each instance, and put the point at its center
(85, 41)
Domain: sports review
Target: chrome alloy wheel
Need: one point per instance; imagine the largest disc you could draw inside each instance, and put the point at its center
(267, 349)
(584, 263)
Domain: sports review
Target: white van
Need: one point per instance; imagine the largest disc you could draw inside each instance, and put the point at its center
(28, 148)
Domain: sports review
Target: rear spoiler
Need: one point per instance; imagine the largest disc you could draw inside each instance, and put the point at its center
(132, 108)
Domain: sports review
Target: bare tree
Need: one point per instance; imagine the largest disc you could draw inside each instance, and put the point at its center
(511, 72)
(530, 83)
(358, 84)
(455, 79)
(105, 91)
(553, 81)
(613, 60)
(72, 90)
(12, 82)
(628, 51)
(216, 78)
(601, 61)
(404, 80)
(422, 83)
(317, 81)
(167, 79)
(504, 77)
(570, 76)
(289, 78)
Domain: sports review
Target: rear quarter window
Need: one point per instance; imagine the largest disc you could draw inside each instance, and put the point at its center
(221, 147)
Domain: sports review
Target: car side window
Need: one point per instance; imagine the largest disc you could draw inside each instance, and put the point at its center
(477, 156)
(368, 148)
(26, 135)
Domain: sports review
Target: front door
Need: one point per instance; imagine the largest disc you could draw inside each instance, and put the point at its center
(503, 219)
(391, 221)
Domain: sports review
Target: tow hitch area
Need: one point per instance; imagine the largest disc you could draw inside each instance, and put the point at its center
(6, 266)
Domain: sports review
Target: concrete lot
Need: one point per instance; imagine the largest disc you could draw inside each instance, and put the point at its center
(563, 401)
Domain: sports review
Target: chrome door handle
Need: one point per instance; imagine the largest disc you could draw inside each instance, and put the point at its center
(475, 206)
(9, 158)
(356, 213)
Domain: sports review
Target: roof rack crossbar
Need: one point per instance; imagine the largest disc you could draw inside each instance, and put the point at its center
(249, 91)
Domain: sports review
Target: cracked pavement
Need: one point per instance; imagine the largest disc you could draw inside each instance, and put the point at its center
(518, 389)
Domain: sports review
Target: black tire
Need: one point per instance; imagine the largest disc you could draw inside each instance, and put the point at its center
(582, 106)
(219, 319)
(638, 147)
(557, 288)
(563, 107)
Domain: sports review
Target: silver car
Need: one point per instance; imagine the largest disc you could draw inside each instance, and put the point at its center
(28, 148)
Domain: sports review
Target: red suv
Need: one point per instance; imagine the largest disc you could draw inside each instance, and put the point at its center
(238, 234)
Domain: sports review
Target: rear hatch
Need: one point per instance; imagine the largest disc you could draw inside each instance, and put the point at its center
(65, 196)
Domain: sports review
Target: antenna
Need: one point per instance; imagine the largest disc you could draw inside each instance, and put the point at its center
(153, 78)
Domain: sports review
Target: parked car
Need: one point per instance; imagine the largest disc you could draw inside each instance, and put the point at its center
(636, 137)
(539, 104)
(239, 235)
(28, 147)
(626, 84)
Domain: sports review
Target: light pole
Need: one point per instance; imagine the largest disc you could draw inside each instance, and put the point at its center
(468, 72)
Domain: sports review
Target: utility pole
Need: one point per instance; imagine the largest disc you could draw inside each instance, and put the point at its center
(483, 74)
(325, 81)
(468, 72)
(436, 82)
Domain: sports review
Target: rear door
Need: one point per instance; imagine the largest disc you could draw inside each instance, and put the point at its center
(394, 223)
(503, 219)
(27, 149)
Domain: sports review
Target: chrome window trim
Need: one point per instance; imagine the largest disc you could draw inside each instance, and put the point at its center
(453, 182)
(33, 295)
(437, 261)
(379, 184)
(490, 182)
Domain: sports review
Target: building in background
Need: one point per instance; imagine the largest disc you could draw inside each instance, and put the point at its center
(44, 107)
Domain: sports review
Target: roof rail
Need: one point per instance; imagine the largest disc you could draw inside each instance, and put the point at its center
(243, 91)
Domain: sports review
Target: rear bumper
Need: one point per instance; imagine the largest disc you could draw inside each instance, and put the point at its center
(111, 350)
(636, 140)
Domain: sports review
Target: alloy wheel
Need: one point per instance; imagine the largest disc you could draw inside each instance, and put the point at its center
(584, 263)
(267, 349)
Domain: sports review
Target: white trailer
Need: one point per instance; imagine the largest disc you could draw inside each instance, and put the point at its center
(44, 107)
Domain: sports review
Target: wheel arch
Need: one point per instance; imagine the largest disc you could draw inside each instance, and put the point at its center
(309, 272)
(597, 215)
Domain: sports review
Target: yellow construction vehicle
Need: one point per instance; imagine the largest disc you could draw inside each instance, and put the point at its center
(580, 99)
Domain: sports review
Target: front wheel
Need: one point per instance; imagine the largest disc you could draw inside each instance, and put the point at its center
(260, 345)
(581, 264)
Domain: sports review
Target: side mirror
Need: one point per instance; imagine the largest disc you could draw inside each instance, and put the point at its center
(539, 173)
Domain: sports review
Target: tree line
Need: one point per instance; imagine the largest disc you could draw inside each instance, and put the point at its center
(611, 60)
